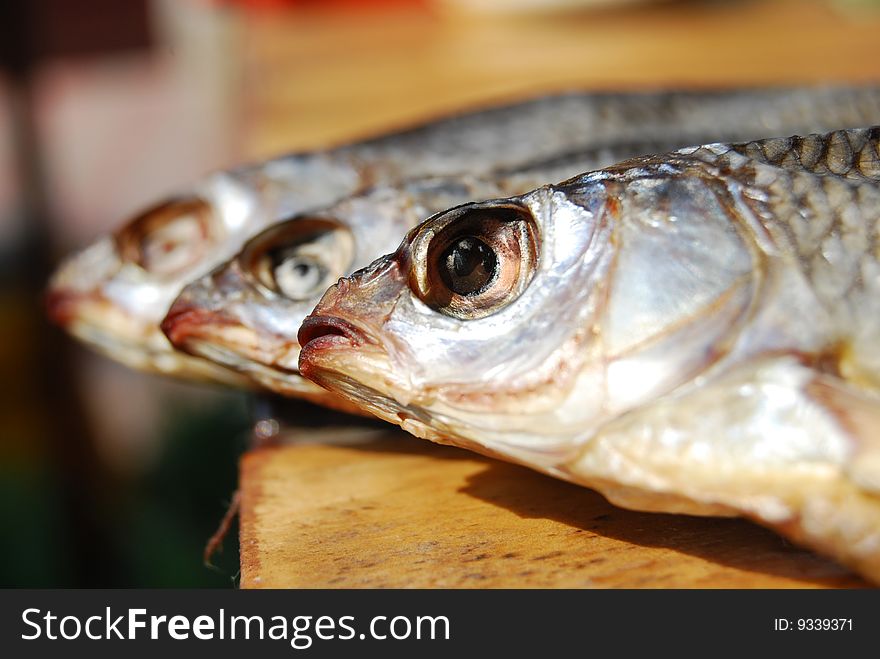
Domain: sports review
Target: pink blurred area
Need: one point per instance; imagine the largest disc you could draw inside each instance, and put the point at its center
(117, 130)
(106, 106)
(120, 128)
(9, 182)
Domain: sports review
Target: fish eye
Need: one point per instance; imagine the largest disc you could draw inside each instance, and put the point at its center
(298, 276)
(474, 261)
(299, 259)
(169, 237)
(468, 266)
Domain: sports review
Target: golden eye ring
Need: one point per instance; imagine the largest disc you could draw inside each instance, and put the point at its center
(475, 260)
(323, 245)
(134, 241)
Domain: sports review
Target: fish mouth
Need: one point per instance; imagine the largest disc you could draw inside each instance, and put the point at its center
(60, 306)
(98, 322)
(185, 324)
(345, 359)
(318, 332)
(101, 325)
(222, 337)
(235, 347)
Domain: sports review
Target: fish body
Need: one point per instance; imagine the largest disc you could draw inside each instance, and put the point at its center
(695, 332)
(114, 294)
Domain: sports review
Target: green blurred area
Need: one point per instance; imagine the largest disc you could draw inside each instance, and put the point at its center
(167, 518)
(68, 527)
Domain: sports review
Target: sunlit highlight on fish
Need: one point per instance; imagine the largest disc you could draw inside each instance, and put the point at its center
(696, 332)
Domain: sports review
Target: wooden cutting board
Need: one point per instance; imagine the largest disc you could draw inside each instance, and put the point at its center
(398, 512)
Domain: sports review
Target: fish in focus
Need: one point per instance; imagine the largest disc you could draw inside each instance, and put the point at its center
(114, 294)
(697, 332)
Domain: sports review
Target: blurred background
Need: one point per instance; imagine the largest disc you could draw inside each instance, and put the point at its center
(115, 478)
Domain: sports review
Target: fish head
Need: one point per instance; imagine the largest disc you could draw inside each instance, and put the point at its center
(509, 327)
(245, 314)
(112, 294)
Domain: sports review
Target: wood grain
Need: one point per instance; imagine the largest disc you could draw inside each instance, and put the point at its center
(403, 513)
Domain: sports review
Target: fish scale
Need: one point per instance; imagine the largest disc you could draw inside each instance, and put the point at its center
(810, 201)
(849, 153)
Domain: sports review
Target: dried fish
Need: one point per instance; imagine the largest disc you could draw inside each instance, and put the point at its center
(694, 332)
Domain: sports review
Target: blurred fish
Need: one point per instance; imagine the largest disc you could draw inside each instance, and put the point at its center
(114, 294)
(697, 332)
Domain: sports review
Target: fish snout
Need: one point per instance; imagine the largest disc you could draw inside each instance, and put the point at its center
(315, 328)
(61, 305)
(79, 281)
(187, 322)
(336, 320)
(68, 307)
(353, 311)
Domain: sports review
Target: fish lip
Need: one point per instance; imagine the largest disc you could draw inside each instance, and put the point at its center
(91, 317)
(74, 310)
(185, 322)
(61, 305)
(198, 330)
(65, 307)
(318, 332)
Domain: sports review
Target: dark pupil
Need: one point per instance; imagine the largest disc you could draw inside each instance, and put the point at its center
(468, 266)
(302, 269)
